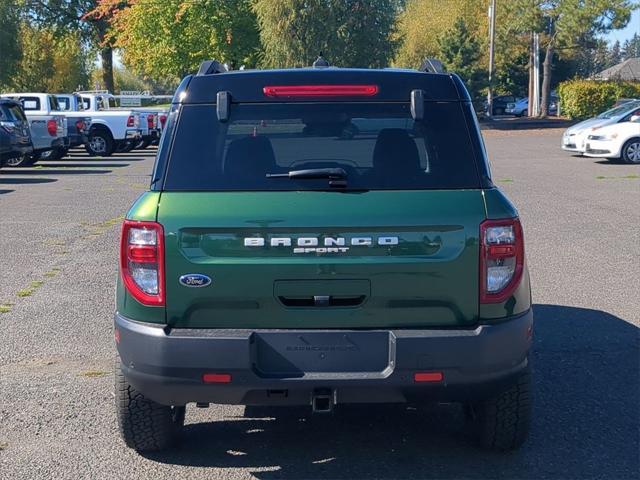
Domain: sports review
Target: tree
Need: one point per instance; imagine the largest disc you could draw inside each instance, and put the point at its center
(357, 33)
(565, 25)
(422, 23)
(615, 53)
(631, 47)
(49, 62)
(9, 50)
(460, 53)
(61, 16)
(171, 38)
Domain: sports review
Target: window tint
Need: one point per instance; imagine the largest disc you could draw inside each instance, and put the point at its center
(86, 103)
(17, 113)
(378, 145)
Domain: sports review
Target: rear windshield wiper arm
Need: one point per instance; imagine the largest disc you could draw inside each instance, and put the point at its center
(312, 173)
(337, 176)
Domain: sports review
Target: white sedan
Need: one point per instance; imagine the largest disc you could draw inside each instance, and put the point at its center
(617, 141)
(575, 137)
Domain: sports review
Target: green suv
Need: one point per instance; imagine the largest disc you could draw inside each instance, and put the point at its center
(322, 236)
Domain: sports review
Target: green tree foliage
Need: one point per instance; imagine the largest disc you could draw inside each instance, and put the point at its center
(631, 47)
(9, 49)
(586, 98)
(49, 62)
(171, 38)
(423, 22)
(356, 33)
(565, 25)
(460, 53)
(80, 16)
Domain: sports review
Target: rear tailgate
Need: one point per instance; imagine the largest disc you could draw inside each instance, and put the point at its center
(392, 258)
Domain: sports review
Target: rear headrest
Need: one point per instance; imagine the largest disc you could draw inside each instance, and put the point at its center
(251, 158)
(396, 151)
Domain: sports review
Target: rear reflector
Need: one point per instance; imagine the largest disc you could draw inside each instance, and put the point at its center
(216, 378)
(320, 90)
(428, 377)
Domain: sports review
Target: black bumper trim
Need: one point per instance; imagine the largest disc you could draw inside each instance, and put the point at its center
(167, 366)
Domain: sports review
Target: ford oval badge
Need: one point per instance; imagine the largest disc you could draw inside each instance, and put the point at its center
(195, 280)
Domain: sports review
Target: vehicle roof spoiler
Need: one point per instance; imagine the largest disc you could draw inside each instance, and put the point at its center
(209, 67)
(432, 65)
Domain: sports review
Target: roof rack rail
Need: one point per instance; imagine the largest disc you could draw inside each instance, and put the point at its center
(209, 67)
(432, 65)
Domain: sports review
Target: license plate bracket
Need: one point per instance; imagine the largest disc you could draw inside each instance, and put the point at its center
(320, 353)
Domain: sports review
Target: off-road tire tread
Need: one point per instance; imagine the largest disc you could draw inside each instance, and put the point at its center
(504, 420)
(144, 424)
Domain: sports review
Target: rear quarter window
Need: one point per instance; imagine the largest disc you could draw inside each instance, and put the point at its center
(378, 145)
(30, 103)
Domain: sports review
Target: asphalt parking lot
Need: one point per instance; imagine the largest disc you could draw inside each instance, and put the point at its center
(59, 225)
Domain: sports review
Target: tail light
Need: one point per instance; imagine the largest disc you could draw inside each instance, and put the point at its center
(131, 121)
(80, 125)
(163, 120)
(142, 261)
(52, 127)
(150, 121)
(501, 259)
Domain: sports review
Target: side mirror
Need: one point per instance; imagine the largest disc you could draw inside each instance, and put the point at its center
(635, 118)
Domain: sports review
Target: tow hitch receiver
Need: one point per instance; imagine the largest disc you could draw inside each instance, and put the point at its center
(322, 400)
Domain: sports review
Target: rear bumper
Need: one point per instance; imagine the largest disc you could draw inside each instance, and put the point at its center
(167, 366)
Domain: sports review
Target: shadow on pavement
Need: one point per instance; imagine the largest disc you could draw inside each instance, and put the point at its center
(75, 165)
(5, 191)
(586, 420)
(69, 171)
(16, 181)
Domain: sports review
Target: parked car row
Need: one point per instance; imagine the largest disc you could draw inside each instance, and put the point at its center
(614, 134)
(45, 126)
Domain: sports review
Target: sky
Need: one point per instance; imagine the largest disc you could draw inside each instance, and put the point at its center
(626, 33)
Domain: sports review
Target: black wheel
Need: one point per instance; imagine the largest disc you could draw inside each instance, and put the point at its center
(100, 143)
(55, 154)
(502, 422)
(25, 160)
(142, 144)
(124, 146)
(144, 424)
(631, 151)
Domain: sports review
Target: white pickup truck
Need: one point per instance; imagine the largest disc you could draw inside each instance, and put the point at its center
(42, 110)
(48, 126)
(147, 120)
(112, 130)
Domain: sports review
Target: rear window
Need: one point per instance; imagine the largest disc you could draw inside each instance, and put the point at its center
(64, 103)
(378, 145)
(30, 103)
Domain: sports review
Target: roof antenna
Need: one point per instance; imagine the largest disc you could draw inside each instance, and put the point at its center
(320, 62)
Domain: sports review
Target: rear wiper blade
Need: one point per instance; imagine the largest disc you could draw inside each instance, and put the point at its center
(312, 173)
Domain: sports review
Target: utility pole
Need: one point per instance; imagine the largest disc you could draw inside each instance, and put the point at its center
(535, 111)
(492, 37)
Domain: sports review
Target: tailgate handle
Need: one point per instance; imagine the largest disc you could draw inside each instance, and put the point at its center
(322, 301)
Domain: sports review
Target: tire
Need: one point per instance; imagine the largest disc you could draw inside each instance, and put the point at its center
(124, 146)
(631, 151)
(145, 425)
(142, 144)
(55, 154)
(502, 422)
(21, 161)
(99, 144)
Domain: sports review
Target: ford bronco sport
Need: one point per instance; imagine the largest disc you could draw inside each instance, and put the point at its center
(322, 236)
